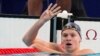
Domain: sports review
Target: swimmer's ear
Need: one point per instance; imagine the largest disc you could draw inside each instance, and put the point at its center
(80, 40)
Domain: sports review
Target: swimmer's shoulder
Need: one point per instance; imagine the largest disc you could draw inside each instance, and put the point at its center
(86, 51)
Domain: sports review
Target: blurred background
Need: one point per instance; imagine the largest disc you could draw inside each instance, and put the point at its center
(13, 28)
(91, 7)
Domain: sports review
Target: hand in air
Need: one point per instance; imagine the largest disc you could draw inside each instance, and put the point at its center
(50, 12)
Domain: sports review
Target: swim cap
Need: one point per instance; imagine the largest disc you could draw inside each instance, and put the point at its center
(72, 25)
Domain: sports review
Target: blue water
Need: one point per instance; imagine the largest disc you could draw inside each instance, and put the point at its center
(46, 54)
(96, 54)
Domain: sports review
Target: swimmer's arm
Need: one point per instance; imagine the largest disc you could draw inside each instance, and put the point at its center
(50, 12)
(32, 33)
(44, 46)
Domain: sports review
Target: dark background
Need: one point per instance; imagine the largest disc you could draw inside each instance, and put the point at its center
(92, 7)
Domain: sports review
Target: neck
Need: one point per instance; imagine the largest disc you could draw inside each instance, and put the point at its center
(73, 51)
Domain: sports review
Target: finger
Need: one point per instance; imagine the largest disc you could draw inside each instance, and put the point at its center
(57, 12)
(52, 8)
(49, 6)
(56, 9)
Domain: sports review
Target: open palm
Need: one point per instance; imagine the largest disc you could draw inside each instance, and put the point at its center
(50, 12)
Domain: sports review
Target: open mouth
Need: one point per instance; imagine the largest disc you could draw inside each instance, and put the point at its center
(68, 44)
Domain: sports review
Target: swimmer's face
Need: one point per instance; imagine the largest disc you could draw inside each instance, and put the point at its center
(70, 39)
